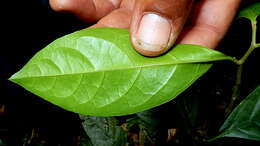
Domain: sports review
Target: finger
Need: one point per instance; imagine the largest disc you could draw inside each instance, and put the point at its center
(119, 18)
(210, 21)
(156, 24)
(128, 4)
(87, 10)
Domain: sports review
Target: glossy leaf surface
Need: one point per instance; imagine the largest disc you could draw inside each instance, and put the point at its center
(97, 72)
(244, 121)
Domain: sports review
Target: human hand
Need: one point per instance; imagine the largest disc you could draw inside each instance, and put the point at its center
(155, 24)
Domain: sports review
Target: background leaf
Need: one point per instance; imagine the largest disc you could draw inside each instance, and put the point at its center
(250, 12)
(188, 106)
(97, 72)
(104, 131)
(244, 121)
(85, 139)
(1, 143)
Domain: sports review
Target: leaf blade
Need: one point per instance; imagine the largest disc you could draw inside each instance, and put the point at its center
(97, 72)
(243, 122)
(250, 12)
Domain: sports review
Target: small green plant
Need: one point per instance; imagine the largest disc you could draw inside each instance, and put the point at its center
(244, 121)
(97, 72)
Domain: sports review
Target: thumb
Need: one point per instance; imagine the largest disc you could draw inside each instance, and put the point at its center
(156, 24)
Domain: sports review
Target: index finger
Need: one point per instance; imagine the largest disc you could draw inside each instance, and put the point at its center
(87, 10)
(209, 22)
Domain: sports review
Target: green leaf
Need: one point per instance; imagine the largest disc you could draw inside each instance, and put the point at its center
(188, 106)
(84, 139)
(244, 121)
(1, 143)
(85, 142)
(149, 131)
(97, 72)
(104, 131)
(250, 12)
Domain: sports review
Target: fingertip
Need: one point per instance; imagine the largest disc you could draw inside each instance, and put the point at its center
(148, 49)
(62, 5)
(155, 25)
(152, 35)
(115, 3)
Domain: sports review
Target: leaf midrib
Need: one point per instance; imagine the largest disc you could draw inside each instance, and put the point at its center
(117, 69)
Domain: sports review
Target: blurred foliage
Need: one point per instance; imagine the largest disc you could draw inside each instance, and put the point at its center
(104, 131)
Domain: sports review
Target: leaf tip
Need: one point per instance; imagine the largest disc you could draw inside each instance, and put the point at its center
(13, 78)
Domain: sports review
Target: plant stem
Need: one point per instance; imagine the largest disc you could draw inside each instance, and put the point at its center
(257, 45)
(244, 58)
(236, 87)
(254, 27)
(252, 46)
(240, 63)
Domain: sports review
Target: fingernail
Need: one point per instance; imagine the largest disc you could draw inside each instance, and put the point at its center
(153, 33)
